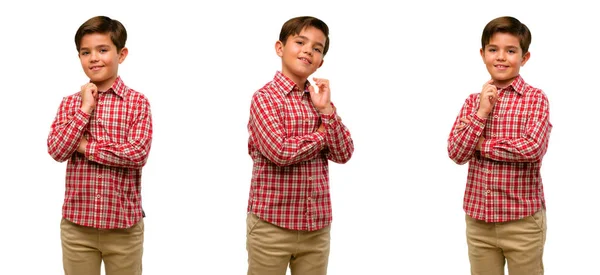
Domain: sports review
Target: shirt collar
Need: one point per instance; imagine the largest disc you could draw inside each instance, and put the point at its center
(285, 84)
(118, 87)
(517, 85)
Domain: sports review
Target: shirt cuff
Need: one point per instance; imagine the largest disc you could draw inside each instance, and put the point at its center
(479, 124)
(486, 148)
(329, 118)
(82, 118)
(90, 150)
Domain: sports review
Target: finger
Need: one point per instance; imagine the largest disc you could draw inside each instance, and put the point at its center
(489, 82)
(311, 89)
(321, 81)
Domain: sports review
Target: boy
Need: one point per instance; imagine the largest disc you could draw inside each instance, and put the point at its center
(294, 130)
(503, 133)
(105, 132)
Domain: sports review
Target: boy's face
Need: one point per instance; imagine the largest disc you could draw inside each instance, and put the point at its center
(503, 58)
(302, 54)
(100, 59)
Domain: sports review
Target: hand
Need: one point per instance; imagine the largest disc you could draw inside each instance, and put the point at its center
(322, 99)
(479, 143)
(487, 99)
(82, 144)
(89, 97)
(464, 122)
(321, 128)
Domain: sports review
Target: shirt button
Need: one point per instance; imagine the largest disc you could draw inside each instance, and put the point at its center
(308, 199)
(309, 178)
(493, 135)
(99, 120)
(99, 176)
(91, 158)
(496, 116)
(98, 196)
(488, 192)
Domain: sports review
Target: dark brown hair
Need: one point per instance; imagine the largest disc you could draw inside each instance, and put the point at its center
(297, 24)
(507, 24)
(103, 24)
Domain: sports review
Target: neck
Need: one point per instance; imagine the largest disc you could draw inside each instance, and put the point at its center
(300, 81)
(501, 84)
(105, 85)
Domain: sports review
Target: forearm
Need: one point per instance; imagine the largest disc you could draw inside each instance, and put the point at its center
(514, 150)
(338, 139)
(65, 135)
(462, 142)
(290, 151)
(133, 154)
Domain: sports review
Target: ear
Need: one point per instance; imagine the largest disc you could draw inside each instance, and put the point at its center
(123, 54)
(279, 48)
(525, 58)
(482, 53)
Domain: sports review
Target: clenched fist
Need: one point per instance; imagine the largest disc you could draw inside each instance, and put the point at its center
(89, 97)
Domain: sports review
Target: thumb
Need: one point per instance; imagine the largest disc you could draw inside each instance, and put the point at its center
(311, 89)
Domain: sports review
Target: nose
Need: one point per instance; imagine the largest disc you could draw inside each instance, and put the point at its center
(501, 55)
(94, 56)
(307, 49)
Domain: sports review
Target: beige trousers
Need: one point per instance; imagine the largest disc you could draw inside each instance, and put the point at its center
(518, 242)
(84, 248)
(271, 249)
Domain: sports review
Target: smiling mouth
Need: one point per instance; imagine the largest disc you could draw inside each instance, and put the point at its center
(305, 60)
(501, 66)
(95, 68)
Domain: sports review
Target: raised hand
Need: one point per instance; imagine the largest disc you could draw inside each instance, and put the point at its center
(322, 99)
(89, 97)
(487, 99)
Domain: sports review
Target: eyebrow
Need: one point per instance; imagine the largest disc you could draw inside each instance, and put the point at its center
(496, 46)
(306, 38)
(98, 46)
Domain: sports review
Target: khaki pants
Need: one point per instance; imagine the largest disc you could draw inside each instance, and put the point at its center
(84, 248)
(519, 242)
(271, 249)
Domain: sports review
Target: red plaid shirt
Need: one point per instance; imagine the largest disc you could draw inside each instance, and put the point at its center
(290, 176)
(103, 187)
(504, 181)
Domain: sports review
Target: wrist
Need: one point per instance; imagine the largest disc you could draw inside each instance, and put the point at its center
(86, 109)
(482, 114)
(327, 110)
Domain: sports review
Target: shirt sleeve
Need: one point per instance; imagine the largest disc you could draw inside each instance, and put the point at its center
(66, 130)
(339, 142)
(532, 145)
(463, 142)
(133, 153)
(267, 132)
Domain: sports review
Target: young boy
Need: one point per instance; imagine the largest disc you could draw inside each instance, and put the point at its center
(503, 133)
(104, 131)
(294, 130)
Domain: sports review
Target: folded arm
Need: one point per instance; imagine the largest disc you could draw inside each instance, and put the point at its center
(268, 133)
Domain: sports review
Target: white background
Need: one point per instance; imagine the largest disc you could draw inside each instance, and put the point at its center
(399, 75)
